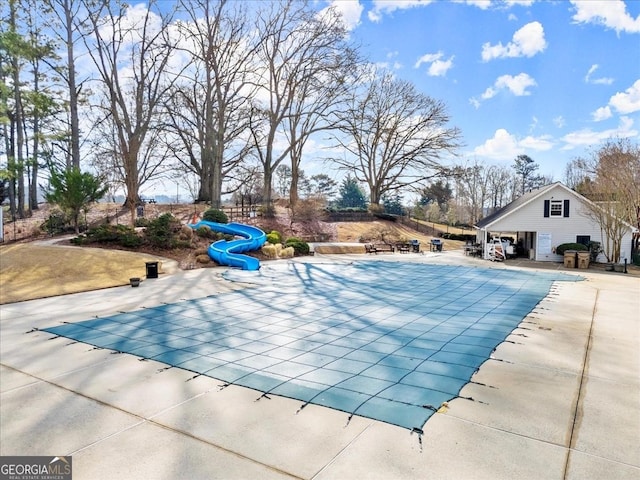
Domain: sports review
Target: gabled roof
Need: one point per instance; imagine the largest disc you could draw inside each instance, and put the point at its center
(520, 202)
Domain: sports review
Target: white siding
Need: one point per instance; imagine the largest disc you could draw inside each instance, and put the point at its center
(530, 218)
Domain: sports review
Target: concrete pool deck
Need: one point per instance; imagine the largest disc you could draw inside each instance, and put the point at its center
(559, 399)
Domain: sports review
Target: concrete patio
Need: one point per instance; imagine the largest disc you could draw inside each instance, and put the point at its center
(559, 399)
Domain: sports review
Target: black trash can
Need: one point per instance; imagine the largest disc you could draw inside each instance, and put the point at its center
(415, 245)
(152, 269)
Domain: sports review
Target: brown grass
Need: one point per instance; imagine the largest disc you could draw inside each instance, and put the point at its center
(30, 270)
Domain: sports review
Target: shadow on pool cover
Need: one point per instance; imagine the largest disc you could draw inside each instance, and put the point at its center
(384, 340)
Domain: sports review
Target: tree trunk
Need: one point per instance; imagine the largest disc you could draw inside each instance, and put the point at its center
(268, 176)
(33, 183)
(293, 189)
(73, 92)
(204, 193)
(18, 119)
(9, 148)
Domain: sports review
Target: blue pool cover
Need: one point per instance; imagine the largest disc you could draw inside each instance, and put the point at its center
(384, 340)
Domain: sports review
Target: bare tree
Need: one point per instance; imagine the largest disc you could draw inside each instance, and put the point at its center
(472, 187)
(614, 188)
(503, 187)
(131, 48)
(396, 135)
(208, 105)
(324, 77)
(576, 174)
(299, 49)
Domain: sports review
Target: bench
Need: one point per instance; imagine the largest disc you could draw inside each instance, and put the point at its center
(403, 247)
(379, 247)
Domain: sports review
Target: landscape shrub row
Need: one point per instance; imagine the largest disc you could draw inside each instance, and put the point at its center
(300, 247)
(167, 232)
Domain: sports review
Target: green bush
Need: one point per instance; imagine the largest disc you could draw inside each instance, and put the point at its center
(215, 215)
(55, 223)
(163, 231)
(560, 249)
(204, 231)
(274, 237)
(292, 239)
(458, 236)
(386, 216)
(333, 209)
(108, 233)
(122, 235)
(299, 247)
(79, 240)
(130, 240)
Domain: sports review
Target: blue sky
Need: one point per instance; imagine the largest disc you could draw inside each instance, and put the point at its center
(548, 79)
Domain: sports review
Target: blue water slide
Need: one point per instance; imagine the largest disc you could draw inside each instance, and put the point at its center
(229, 252)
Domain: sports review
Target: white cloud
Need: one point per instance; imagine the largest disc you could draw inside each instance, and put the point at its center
(539, 144)
(386, 7)
(505, 146)
(559, 121)
(623, 102)
(597, 81)
(389, 65)
(481, 4)
(523, 3)
(526, 42)
(602, 81)
(610, 13)
(351, 11)
(428, 58)
(627, 101)
(517, 85)
(437, 67)
(601, 114)
(132, 25)
(382, 7)
(588, 137)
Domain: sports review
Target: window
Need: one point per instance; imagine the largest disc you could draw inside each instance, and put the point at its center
(583, 239)
(556, 208)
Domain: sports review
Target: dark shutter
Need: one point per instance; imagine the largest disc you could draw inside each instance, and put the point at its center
(547, 204)
(565, 210)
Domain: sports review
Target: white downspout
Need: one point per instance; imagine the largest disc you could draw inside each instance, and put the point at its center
(485, 245)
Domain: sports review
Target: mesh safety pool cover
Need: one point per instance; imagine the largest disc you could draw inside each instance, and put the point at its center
(384, 340)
